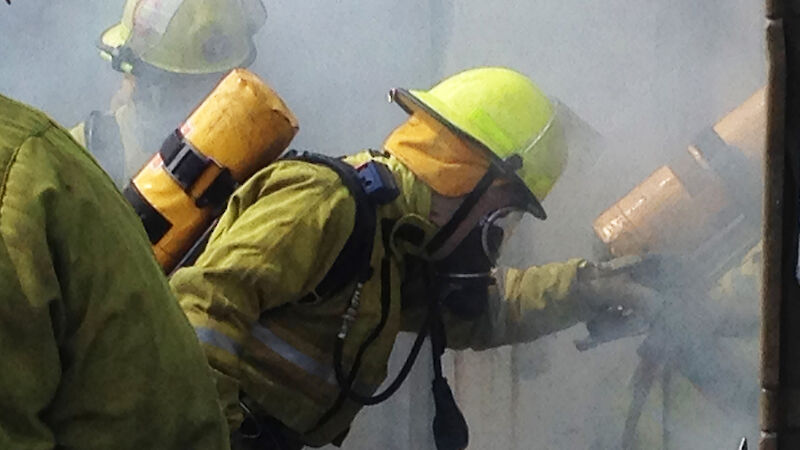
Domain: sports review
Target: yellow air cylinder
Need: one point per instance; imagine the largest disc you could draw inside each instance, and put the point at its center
(241, 127)
(660, 214)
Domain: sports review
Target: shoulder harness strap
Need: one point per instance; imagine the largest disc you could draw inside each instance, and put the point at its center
(370, 185)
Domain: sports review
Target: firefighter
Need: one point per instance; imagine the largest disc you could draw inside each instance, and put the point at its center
(171, 53)
(295, 355)
(96, 352)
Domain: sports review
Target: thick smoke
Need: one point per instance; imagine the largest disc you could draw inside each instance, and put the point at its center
(643, 77)
(49, 58)
(648, 77)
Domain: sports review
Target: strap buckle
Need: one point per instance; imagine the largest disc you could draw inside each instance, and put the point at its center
(186, 164)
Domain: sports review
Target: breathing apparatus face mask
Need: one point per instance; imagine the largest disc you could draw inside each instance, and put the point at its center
(463, 277)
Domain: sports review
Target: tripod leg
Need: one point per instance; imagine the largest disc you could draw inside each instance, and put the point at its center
(641, 383)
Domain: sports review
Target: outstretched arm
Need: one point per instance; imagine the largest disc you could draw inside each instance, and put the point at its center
(533, 302)
(525, 305)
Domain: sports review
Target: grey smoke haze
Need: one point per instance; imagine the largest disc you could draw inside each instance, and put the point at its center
(646, 76)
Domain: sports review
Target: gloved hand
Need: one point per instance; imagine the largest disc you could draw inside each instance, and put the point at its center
(618, 306)
(609, 284)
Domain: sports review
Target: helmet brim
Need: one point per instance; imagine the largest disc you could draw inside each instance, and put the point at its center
(413, 104)
(115, 36)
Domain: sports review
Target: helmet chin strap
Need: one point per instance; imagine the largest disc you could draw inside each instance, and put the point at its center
(470, 200)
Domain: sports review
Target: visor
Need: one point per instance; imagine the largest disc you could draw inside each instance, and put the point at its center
(497, 228)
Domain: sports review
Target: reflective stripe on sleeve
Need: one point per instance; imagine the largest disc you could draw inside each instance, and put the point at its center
(213, 337)
(294, 356)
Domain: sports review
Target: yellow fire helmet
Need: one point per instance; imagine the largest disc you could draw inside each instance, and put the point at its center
(184, 36)
(503, 113)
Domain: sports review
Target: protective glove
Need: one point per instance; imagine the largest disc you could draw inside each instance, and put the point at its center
(610, 284)
(618, 305)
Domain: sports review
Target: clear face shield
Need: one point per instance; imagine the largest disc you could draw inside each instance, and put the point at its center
(466, 273)
(493, 233)
(496, 231)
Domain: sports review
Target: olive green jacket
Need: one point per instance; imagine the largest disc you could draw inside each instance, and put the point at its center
(96, 353)
(278, 238)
